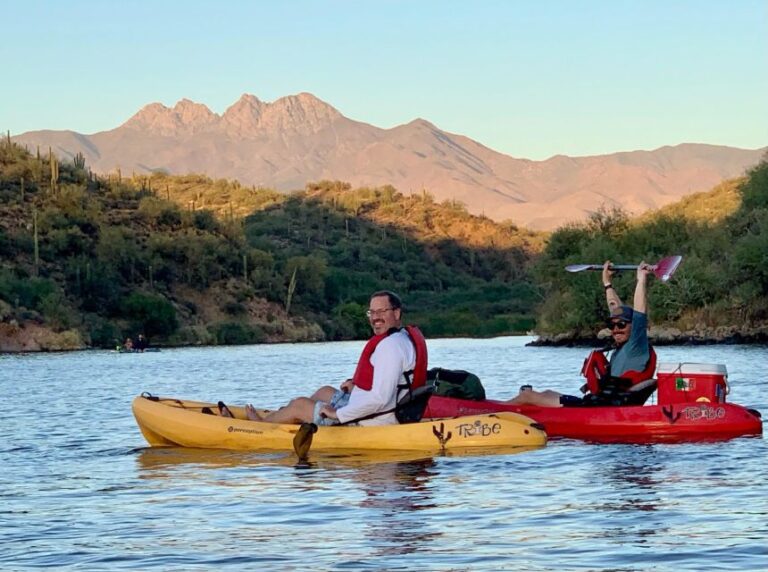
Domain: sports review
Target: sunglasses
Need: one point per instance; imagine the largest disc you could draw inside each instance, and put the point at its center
(617, 325)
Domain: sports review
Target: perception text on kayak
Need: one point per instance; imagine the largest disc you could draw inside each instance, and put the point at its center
(241, 430)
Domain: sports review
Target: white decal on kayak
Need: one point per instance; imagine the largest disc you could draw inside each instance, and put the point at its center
(478, 428)
(703, 413)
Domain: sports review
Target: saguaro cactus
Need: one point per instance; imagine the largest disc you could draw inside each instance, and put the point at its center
(54, 163)
(291, 290)
(35, 240)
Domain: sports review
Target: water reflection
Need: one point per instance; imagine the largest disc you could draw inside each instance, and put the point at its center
(393, 494)
(635, 467)
(633, 478)
(169, 458)
(164, 461)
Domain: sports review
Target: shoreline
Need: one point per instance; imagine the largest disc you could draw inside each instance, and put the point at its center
(723, 335)
(541, 340)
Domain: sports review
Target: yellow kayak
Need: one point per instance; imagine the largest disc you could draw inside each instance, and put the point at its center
(168, 422)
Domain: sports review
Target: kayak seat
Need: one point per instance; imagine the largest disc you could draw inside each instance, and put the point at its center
(411, 406)
(639, 393)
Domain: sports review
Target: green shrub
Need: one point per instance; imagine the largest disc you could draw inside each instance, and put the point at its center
(24, 291)
(56, 310)
(348, 321)
(235, 333)
(151, 314)
(234, 308)
(754, 190)
(160, 213)
(101, 332)
(205, 220)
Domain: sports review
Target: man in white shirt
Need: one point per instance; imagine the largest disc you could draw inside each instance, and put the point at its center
(387, 356)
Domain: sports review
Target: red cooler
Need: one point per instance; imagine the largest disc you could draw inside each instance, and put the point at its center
(691, 383)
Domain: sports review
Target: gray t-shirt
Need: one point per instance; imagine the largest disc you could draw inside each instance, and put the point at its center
(634, 354)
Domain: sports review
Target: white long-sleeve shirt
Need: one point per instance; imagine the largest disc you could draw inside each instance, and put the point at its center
(394, 355)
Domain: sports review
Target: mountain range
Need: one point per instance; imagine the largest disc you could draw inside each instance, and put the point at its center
(299, 138)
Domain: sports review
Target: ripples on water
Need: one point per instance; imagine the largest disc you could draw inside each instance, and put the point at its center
(79, 489)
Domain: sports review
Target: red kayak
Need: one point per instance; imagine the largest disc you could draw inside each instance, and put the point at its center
(691, 407)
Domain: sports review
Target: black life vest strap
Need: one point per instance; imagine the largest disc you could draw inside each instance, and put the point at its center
(400, 405)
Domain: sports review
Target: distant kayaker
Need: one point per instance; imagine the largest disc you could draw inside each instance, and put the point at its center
(141, 343)
(391, 360)
(128, 345)
(633, 360)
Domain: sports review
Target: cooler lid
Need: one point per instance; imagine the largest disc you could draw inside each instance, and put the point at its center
(692, 368)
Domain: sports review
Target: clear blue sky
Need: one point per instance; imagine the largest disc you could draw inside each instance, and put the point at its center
(530, 78)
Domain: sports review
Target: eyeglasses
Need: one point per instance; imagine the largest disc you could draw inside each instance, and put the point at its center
(617, 325)
(370, 313)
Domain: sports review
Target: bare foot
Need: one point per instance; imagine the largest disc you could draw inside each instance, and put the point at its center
(224, 410)
(252, 414)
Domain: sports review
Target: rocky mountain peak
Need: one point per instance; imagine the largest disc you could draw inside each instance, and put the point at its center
(421, 123)
(243, 116)
(185, 117)
(147, 116)
(247, 117)
(304, 113)
(193, 114)
(247, 103)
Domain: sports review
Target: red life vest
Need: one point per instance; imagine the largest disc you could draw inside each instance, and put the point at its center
(363, 377)
(597, 370)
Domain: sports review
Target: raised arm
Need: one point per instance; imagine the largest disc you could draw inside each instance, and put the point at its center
(614, 302)
(640, 302)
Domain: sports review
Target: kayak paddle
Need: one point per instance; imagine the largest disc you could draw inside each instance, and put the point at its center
(302, 441)
(663, 269)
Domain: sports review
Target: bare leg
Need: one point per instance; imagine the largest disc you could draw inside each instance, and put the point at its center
(325, 393)
(299, 410)
(547, 398)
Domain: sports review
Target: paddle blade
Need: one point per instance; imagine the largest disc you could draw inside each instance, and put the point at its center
(302, 441)
(666, 267)
(581, 267)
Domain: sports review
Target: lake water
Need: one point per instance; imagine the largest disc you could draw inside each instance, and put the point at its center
(79, 488)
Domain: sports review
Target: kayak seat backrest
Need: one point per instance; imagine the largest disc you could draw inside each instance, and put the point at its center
(640, 392)
(411, 406)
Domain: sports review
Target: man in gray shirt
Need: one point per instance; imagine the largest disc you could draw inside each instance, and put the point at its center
(632, 353)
